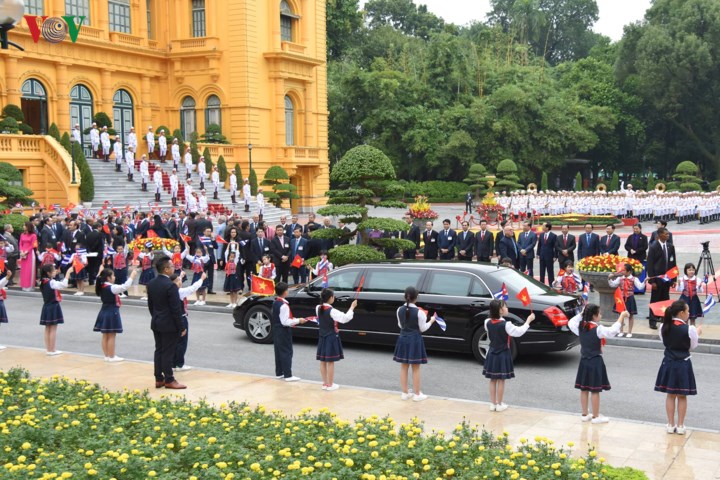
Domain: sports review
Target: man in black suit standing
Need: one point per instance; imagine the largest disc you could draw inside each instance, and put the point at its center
(259, 247)
(565, 246)
(507, 246)
(166, 309)
(660, 224)
(143, 226)
(484, 243)
(345, 240)
(280, 249)
(94, 244)
(413, 235)
(660, 259)
(447, 239)
(299, 247)
(546, 253)
(526, 242)
(311, 222)
(610, 243)
(465, 243)
(588, 243)
(430, 237)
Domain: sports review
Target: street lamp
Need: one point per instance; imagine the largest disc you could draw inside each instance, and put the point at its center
(11, 11)
(250, 156)
(72, 155)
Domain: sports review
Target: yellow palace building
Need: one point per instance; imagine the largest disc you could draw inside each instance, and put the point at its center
(255, 67)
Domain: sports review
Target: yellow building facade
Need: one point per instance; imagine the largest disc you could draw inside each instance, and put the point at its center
(255, 67)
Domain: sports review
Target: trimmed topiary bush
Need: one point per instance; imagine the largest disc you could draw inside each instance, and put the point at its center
(476, 181)
(54, 131)
(578, 182)
(281, 189)
(13, 111)
(9, 125)
(614, 182)
(194, 148)
(222, 168)
(238, 174)
(214, 134)
(686, 175)
(253, 182)
(544, 182)
(507, 178)
(87, 180)
(17, 220)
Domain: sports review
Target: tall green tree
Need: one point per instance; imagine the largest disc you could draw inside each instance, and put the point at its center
(344, 20)
(403, 15)
(278, 180)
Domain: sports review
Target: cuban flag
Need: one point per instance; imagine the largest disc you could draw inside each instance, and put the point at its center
(205, 240)
(585, 291)
(109, 251)
(324, 283)
(501, 294)
(56, 206)
(441, 323)
(709, 303)
(66, 260)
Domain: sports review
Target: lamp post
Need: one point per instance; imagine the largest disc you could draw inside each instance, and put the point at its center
(250, 157)
(72, 155)
(11, 11)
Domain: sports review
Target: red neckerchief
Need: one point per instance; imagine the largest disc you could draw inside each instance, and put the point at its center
(594, 325)
(678, 322)
(230, 268)
(197, 265)
(146, 262)
(48, 259)
(119, 261)
(117, 297)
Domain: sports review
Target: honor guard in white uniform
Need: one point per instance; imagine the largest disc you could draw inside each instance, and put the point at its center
(130, 162)
(150, 138)
(175, 152)
(192, 203)
(202, 173)
(162, 145)
(144, 173)
(202, 201)
(77, 134)
(188, 189)
(105, 142)
(260, 199)
(174, 187)
(117, 150)
(188, 163)
(94, 139)
(215, 177)
(233, 187)
(132, 139)
(158, 180)
(246, 194)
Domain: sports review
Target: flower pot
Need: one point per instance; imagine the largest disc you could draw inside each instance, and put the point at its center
(599, 280)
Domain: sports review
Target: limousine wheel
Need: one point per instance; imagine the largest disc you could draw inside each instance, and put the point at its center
(481, 345)
(258, 326)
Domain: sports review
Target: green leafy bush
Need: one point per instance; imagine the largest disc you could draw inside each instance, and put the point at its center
(347, 254)
(714, 184)
(614, 183)
(238, 174)
(9, 125)
(623, 473)
(686, 175)
(25, 128)
(650, 186)
(17, 220)
(222, 168)
(194, 151)
(214, 134)
(253, 182)
(208, 160)
(87, 180)
(507, 178)
(436, 191)
(578, 182)
(54, 132)
(281, 189)
(13, 111)
(544, 182)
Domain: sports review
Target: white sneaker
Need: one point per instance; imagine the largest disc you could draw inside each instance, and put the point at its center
(184, 368)
(292, 379)
(620, 335)
(586, 418)
(600, 419)
(406, 396)
(230, 305)
(492, 407)
(280, 377)
(670, 428)
(52, 354)
(324, 387)
(2, 347)
(332, 387)
(629, 335)
(143, 298)
(419, 397)
(115, 359)
(197, 302)
(202, 303)
(680, 430)
(78, 294)
(501, 407)
(107, 359)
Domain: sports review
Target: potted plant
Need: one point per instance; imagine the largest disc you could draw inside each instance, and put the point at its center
(421, 212)
(490, 207)
(596, 270)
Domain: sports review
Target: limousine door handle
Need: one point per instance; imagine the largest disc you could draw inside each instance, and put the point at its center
(477, 303)
(343, 299)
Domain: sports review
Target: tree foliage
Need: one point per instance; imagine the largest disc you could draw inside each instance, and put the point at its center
(344, 21)
(507, 178)
(278, 180)
(11, 190)
(578, 182)
(253, 182)
(222, 168)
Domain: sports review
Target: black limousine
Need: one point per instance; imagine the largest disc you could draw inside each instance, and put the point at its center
(458, 291)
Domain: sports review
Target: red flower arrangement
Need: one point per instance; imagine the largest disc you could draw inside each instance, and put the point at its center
(157, 243)
(607, 264)
(421, 209)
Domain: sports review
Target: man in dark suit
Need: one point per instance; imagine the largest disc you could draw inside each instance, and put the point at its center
(299, 247)
(390, 251)
(465, 243)
(259, 247)
(430, 237)
(311, 222)
(314, 245)
(447, 239)
(327, 243)
(413, 235)
(73, 236)
(609, 243)
(280, 249)
(94, 245)
(345, 240)
(484, 243)
(143, 225)
(660, 259)
(546, 253)
(58, 228)
(291, 226)
(588, 243)
(47, 235)
(526, 244)
(637, 244)
(565, 246)
(166, 309)
(660, 224)
(507, 246)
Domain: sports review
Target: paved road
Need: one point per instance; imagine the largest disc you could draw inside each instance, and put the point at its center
(543, 381)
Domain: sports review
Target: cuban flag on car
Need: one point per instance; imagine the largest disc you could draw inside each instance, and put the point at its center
(709, 303)
(440, 321)
(585, 291)
(501, 294)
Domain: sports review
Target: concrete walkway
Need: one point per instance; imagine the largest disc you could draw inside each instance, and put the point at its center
(622, 443)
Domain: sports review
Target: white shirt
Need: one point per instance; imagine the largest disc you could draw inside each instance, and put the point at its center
(94, 136)
(105, 139)
(601, 330)
(162, 141)
(175, 150)
(173, 181)
(336, 314)
(246, 191)
(215, 177)
(511, 329)
(157, 178)
(59, 284)
(285, 319)
(76, 133)
(132, 140)
(233, 181)
(117, 148)
(144, 168)
(423, 323)
(188, 161)
(201, 169)
(260, 200)
(185, 292)
(130, 160)
(202, 202)
(118, 289)
(150, 137)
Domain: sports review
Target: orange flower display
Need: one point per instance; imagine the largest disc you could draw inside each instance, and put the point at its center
(607, 264)
(157, 243)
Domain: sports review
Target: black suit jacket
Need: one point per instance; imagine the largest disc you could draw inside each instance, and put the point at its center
(165, 305)
(142, 228)
(431, 244)
(546, 250)
(315, 225)
(642, 246)
(94, 242)
(413, 235)
(466, 244)
(278, 251)
(653, 237)
(506, 248)
(588, 249)
(256, 252)
(560, 245)
(611, 247)
(656, 264)
(484, 246)
(47, 236)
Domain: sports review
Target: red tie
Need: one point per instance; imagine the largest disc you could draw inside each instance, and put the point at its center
(482, 236)
(608, 241)
(565, 240)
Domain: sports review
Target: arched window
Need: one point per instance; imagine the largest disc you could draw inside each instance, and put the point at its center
(122, 114)
(289, 121)
(187, 117)
(287, 21)
(212, 112)
(81, 112)
(34, 105)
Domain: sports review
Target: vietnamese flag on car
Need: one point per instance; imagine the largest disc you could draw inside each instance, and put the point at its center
(556, 316)
(658, 308)
(297, 261)
(262, 286)
(524, 297)
(619, 301)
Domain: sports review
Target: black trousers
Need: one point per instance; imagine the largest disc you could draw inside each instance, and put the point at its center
(660, 292)
(210, 272)
(409, 254)
(165, 346)
(300, 275)
(447, 256)
(182, 344)
(527, 264)
(93, 268)
(282, 341)
(547, 265)
(281, 272)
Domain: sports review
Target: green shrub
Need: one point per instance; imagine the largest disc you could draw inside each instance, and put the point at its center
(544, 182)
(281, 189)
(25, 128)
(17, 220)
(435, 190)
(13, 111)
(54, 132)
(87, 180)
(650, 186)
(686, 175)
(222, 168)
(623, 473)
(10, 191)
(194, 148)
(507, 178)
(9, 172)
(476, 180)
(9, 125)
(578, 182)
(238, 175)
(614, 183)
(347, 254)
(164, 128)
(214, 134)
(253, 182)
(714, 184)
(690, 187)
(177, 133)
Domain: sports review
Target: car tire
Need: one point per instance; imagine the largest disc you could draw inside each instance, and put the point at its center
(481, 344)
(258, 325)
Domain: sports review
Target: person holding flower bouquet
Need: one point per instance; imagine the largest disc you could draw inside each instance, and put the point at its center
(627, 284)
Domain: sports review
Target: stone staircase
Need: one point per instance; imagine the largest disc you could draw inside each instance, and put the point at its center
(114, 187)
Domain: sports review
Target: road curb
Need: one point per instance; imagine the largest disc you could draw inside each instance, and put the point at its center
(646, 341)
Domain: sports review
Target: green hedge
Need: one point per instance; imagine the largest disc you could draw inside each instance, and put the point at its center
(435, 190)
(557, 220)
(17, 220)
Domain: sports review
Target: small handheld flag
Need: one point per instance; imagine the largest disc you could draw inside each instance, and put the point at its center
(77, 264)
(620, 267)
(221, 240)
(357, 292)
(262, 286)
(313, 319)
(324, 283)
(151, 234)
(185, 238)
(441, 323)
(205, 240)
(671, 274)
(2, 264)
(709, 303)
(524, 297)
(501, 294)
(619, 301)
(586, 291)
(658, 308)
(297, 261)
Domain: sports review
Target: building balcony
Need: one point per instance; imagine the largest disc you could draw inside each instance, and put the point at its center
(194, 46)
(126, 39)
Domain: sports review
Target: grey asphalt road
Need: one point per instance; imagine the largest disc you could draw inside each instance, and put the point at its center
(542, 381)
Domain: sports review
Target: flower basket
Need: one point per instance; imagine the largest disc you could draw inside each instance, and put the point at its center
(596, 269)
(157, 243)
(421, 212)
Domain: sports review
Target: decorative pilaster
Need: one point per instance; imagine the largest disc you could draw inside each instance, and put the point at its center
(63, 95)
(12, 78)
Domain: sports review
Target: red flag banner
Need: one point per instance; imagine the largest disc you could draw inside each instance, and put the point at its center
(524, 297)
(106, 229)
(185, 238)
(151, 234)
(136, 256)
(77, 264)
(2, 264)
(672, 273)
(360, 286)
(219, 239)
(619, 301)
(262, 286)
(658, 308)
(297, 261)
(620, 267)
(556, 316)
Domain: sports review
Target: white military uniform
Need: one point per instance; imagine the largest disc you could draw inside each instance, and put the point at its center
(233, 186)
(95, 140)
(150, 137)
(158, 179)
(162, 143)
(260, 199)
(246, 195)
(144, 173)
(105, 140)
(173, 185)
(188, 164)
(117, 150)
(215, 176)
(202, 173)
(130, 162)
(132, 140)
(202, 202)
(78, 135)
(191, 203)
(175, 152)
(187, 189)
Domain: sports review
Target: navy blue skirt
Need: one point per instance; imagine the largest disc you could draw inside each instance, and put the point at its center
(592, 375)
(81, 275)
(146, 276)
(694, 304)
(630, 305)
(232, 283)
(108, 320)
(410, 349)
(51, 314)
(120, 276)
(676, 377)
(196, 277)
(499, 366)
(3, 312)
(329, 348)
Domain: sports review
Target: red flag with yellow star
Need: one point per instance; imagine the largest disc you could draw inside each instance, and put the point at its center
(262, 286)
(658, 308)
(524, 297)
(619, 301)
